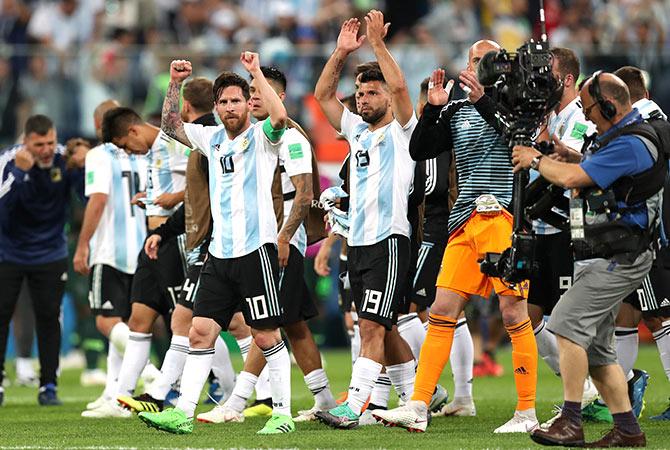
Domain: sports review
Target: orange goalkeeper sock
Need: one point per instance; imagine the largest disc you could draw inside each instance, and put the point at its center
(434, 356)
(524, 361)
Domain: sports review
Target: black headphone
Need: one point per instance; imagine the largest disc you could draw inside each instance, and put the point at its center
(607, 108)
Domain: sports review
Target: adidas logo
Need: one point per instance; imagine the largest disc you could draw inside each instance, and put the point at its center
(521, 370)
(665, 303)
(466, 125)
(107, 305)
(422, 292)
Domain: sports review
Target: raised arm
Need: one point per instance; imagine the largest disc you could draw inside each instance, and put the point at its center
(171, 122)
(403, 110)
(274, 105)
(326, 87)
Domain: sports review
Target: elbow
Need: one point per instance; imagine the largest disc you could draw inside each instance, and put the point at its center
(321, 96)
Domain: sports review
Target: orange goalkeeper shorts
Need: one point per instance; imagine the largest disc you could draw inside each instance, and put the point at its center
(468, 246)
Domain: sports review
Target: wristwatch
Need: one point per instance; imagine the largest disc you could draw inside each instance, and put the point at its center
(535, 162)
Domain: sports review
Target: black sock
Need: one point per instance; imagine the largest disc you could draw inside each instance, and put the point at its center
(372, 407)
(572, 411)
(627, 422)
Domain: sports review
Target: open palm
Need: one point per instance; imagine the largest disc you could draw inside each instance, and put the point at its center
(348, 39)
(437, 94)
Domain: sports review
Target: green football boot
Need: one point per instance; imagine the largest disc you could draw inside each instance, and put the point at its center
(278, 424)
(172, 420)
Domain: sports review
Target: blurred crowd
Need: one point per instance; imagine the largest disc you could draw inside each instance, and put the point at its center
(63, 57)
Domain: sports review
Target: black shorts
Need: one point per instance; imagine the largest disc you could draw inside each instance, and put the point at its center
(249, 283)
(157, 283)
(195, 261)
(343, 286)
(294, 297)
(653, 297)
(377, 274)
(109, 291)
(556, 266)
(427, 268)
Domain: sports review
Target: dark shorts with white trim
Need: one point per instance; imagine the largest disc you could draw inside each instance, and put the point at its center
(109, 291)
(195, 259)
(653, 296)
(554, 275)
(377, 274)
(248, 283)
(296, 301)
(428, 265)
(157, 282)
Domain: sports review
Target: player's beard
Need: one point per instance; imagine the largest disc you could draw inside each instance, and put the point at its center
(234, 124)
(44, 164)
(372, 116)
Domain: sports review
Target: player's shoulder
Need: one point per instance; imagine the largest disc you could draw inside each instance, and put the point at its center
(294, 136)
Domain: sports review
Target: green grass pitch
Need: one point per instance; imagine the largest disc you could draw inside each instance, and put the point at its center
(24, 424)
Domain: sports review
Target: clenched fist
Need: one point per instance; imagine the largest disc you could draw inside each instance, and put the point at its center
(180, 69)
(24, 160)
(250, 61)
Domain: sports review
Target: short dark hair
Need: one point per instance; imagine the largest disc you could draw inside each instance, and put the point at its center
(372, 75)
(568, 63)
(38, 124)
(364, 67)
(227, 79)
(634, 79)
(272, 73)
(198, 92)
(117, 121)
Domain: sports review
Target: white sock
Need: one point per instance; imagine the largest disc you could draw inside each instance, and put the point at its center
(627, 341)
(134, 360)
(263, 388)
(279, 367)
(118, 336)
(402, 377)
(662, 338)
(196, 370)
(462, 359)
(222, 367)
(412, 331)
(547, 347)
(244, 387)
(244, 344)
(363, 377)
(172, 368)
(356, 341)
(381, 391)
(114, 361)
(24, 367)
(317, 383)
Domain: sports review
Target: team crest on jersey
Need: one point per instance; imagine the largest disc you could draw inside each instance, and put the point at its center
(244, 144)
(159, 163)
(380, 139)
(56, 174)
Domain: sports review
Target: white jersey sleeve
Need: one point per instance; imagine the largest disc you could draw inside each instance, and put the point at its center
(407, 130)
(201, 136)
(350, 123)
(98, 168)
(295, 153)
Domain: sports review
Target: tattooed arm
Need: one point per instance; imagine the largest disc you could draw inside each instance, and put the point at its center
(171, 122)
(326, 88)
(304, 195)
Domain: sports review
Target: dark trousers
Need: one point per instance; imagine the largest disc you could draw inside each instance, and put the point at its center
(46, 283)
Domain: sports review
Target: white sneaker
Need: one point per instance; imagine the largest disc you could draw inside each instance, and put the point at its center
(590, 392)
(93, 377)
(367, 418)
(109, 408)
(307, 415)
(97, 403)
(521, 422)
(460, 406)
(556, 411)
(221, 414)
(413, 416)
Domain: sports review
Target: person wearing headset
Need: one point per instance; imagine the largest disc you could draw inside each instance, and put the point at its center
(618, 185)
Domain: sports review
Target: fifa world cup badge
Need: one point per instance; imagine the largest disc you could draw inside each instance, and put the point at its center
(56, 174)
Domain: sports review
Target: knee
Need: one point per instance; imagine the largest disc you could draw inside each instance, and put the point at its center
(238, 327)
(181, 321)
(371, 332)
(653, 323)
(105, 324)
(202, 333)
(514, 314)
(536, 315)
(139, 324)
(266, 339)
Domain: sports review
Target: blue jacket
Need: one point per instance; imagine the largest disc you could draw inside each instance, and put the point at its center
(33, 208)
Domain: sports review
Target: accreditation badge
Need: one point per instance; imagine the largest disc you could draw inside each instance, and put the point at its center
(56, 174)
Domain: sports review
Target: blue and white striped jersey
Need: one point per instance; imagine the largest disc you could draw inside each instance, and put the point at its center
(380, 178)
(571, 127)
(120, 234)
(646, 107)
(167, 172)
(295, 158)
(240, 186)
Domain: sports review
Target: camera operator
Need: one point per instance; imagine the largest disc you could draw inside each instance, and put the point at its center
(618, 180)
(567, 127)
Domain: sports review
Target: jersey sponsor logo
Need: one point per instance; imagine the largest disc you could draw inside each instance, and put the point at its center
(421, 292)
(466, 125)
(90, 177)
(295, 151)
(579, 130)
(665, 303)
(521, 371)
(107, 305)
